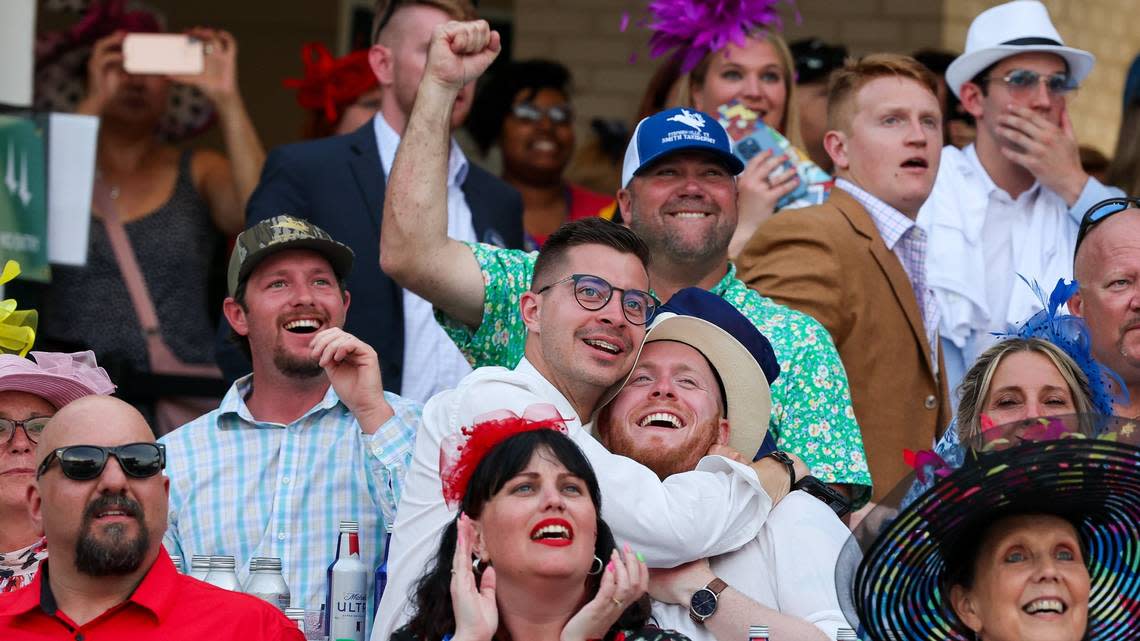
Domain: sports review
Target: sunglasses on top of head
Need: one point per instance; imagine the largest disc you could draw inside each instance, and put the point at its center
(1101, 212)
(86, 462)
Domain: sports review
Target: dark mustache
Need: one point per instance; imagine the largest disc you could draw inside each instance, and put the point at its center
(112, 502)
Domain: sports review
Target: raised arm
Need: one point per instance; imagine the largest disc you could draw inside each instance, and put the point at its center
(415, 249)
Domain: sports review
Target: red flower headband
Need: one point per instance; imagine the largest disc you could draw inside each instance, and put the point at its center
(460, 454)
(330, 84)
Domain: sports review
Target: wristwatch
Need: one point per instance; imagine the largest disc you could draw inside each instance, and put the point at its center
(702, 605)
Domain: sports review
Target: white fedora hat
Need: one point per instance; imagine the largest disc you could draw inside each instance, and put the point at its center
(1009, 29)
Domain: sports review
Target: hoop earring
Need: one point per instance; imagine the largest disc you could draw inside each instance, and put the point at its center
(475, 565)
(596, 566)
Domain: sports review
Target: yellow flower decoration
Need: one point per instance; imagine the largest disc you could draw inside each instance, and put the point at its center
(17, 326)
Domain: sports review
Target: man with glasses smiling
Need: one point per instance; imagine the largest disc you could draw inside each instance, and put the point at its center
(1010, 203)
(101, 498)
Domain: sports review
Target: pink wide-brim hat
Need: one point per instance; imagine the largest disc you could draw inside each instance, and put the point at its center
(56, 377)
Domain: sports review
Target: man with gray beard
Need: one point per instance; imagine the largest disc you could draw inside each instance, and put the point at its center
(100, 498)
(308, 439)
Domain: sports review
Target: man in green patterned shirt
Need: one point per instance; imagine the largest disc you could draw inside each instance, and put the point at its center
(682, 203)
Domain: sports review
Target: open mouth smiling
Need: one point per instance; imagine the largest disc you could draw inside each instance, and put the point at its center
(603, 345)
(1045, 606)
(665, 419)
(553, 532)
(303, 326)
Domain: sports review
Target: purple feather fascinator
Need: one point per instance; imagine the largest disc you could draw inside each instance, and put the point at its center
(692, 29)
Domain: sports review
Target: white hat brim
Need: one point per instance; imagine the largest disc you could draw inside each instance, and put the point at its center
(968, 65)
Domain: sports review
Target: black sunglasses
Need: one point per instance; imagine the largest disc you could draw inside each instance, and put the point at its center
(1101, 212)
(595, 292)
(86, 462)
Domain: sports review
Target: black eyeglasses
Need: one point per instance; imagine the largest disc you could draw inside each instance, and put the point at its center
(33, 427)
(558, 114)
(1022, 81)
(86, 462)
(594, 293)
(1101, 212)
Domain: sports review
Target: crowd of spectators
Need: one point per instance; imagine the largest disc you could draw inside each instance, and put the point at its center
(876, 378)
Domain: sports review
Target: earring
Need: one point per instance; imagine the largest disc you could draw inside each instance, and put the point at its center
(475, 565)
(596, 567)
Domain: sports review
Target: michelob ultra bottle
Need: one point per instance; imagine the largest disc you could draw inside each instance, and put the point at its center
(758, 633)
(222, 573)
(348, 588)
(200, 566)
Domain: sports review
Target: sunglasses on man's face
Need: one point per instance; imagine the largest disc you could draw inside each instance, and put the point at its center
(1101, 212)
(86, 462)
(1023, 81)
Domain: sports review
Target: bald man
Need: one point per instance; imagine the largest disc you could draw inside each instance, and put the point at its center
(100, 499)
(1107, 266)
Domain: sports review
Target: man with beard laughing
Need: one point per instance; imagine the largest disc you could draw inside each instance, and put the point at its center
(857, 262)
(308, 439)
(101, 499)
(703, 378)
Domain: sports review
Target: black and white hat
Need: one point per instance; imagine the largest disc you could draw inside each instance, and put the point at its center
(1009, 29)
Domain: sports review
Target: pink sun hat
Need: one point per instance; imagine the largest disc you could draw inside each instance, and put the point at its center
(56, 377)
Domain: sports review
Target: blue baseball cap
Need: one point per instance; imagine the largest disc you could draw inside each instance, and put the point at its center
(740, 356)
(674, 130)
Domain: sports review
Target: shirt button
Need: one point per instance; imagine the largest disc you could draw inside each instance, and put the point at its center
(930, 402)
(285, 480)
(280, 536)
(79, 637)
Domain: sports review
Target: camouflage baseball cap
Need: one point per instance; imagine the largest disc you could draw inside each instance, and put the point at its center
(279, 233)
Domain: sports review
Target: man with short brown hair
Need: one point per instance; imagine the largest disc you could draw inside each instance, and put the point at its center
(856, 263)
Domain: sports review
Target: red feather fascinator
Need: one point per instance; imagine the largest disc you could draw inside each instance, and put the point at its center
(460, 453)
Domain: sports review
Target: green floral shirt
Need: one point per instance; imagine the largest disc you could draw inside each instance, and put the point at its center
(811, 401)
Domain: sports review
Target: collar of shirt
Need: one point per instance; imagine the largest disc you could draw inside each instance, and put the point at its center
(234, 403)
(891, 223)
(988, 184)
(155, 593)
(387, 140)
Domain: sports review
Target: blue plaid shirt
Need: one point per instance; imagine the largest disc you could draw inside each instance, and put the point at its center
(248, 488)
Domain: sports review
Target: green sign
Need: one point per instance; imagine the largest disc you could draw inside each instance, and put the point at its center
(23, 197)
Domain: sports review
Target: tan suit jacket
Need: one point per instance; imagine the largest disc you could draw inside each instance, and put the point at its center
(829, 261)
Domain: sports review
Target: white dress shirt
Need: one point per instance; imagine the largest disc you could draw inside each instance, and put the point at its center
(789, 567)
(717, 508)
(432, 362)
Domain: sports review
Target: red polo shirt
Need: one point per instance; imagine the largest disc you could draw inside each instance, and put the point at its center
(165, 605)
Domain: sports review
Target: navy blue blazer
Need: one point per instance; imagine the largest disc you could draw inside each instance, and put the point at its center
(338, 184)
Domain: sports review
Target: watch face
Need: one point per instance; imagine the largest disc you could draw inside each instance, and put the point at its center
(703, 602)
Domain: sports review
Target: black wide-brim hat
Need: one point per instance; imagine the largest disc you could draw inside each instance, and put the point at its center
(1093, 481)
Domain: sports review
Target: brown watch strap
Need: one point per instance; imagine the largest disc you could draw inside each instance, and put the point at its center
(716, 586)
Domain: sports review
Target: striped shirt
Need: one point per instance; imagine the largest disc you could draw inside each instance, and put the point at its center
(247, 488)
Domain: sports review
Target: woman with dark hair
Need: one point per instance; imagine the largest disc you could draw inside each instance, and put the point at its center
(528, 556)
(525, 110)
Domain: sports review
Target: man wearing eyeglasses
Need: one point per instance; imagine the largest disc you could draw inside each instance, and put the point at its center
(101, 498)
(1010, 203)
(31, 391)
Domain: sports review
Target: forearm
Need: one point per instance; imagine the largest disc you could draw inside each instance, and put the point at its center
(415, 205)
(243, 146)
(735, 613)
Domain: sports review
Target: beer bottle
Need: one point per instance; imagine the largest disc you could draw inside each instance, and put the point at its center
(265, 581)
(222, 573)
(347, 588)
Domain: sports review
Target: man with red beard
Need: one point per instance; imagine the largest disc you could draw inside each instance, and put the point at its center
(308, 439)
(101, 499)
(703, 378)
(857, 262)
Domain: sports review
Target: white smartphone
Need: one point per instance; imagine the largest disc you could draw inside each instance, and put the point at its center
(162, 53)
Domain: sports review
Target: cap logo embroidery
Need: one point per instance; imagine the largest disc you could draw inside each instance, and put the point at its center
(686, 117)
(292, 224)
